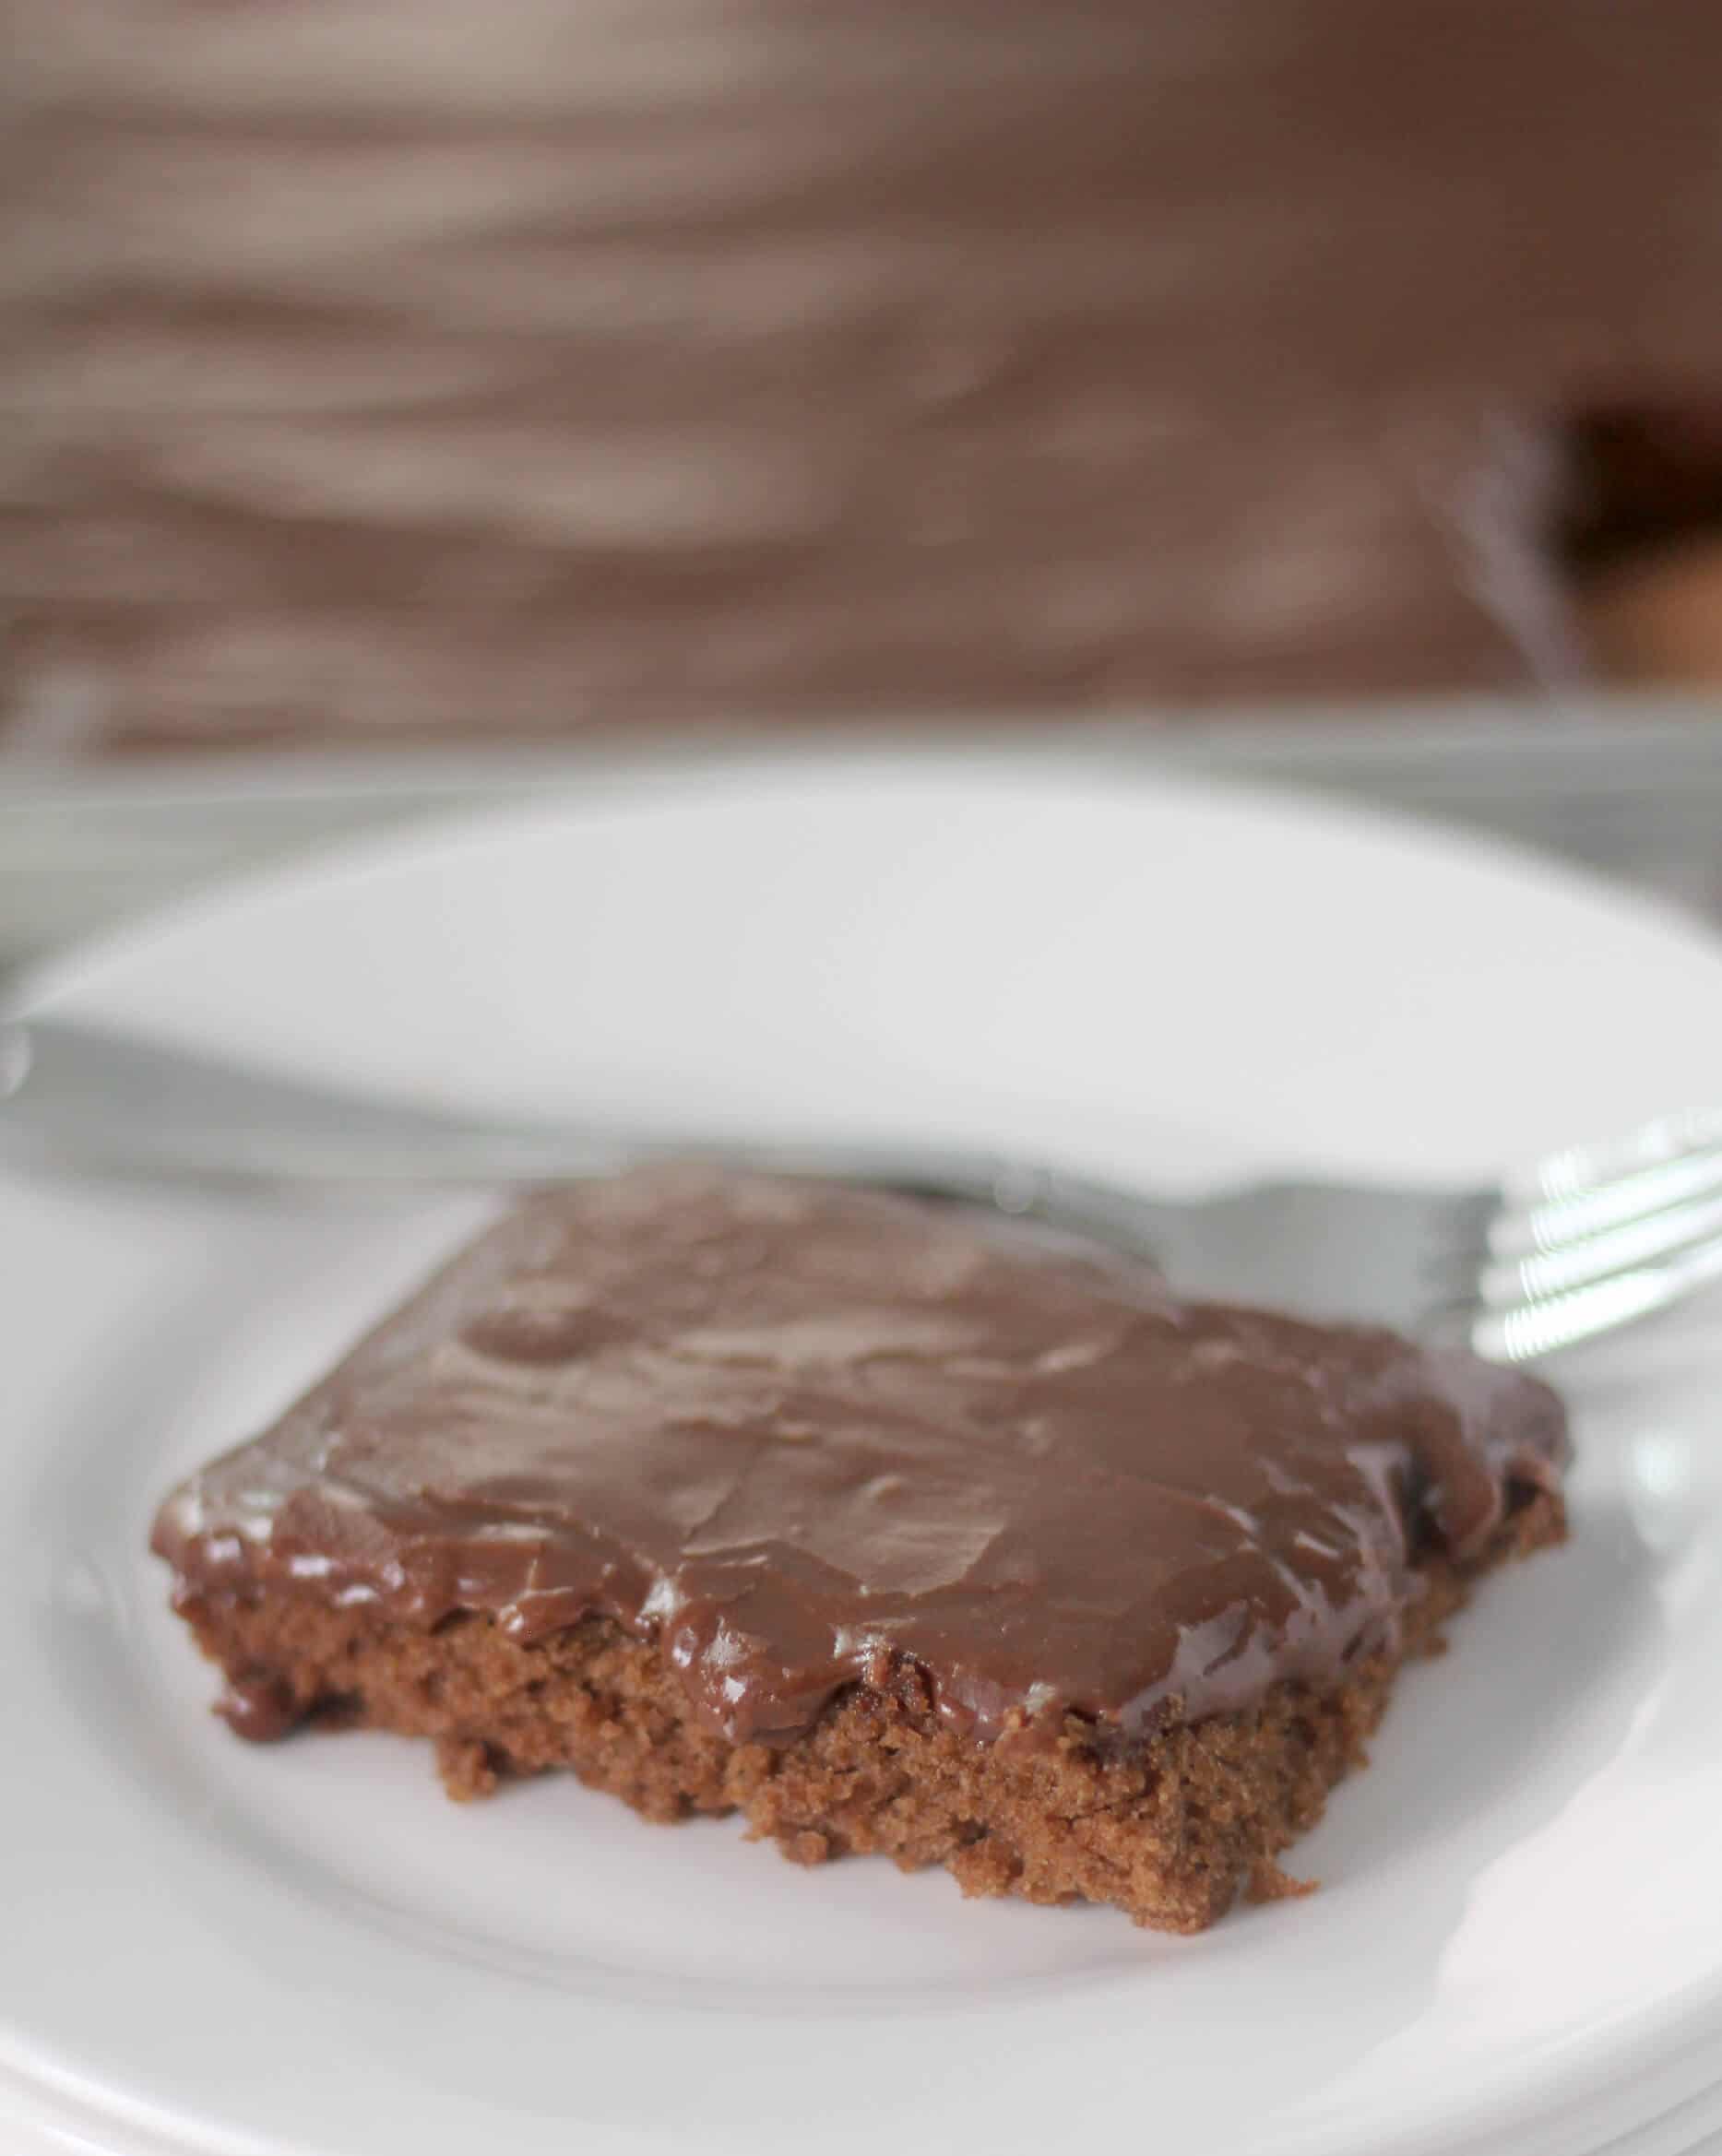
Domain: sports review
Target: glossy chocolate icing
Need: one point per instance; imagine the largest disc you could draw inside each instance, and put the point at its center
(789, 1430)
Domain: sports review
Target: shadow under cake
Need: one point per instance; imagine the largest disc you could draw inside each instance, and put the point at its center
(890, 1530)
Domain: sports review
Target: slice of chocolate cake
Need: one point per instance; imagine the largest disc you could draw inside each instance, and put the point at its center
(888, 1530)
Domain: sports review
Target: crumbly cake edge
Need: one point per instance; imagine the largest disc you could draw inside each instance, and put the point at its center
(1169, 1829)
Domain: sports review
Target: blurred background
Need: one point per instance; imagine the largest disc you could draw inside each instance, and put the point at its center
(404, 404)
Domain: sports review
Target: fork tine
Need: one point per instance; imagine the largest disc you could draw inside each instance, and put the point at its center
(1531, 1329)
(1520, 1231)
(1635, 1243)
(1577, 1170)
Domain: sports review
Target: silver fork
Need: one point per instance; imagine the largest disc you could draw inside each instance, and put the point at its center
(1590, 1239)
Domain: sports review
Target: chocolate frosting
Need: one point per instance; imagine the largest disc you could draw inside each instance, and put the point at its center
(797, 1434)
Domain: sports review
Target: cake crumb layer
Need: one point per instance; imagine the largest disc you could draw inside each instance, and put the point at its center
(1171, 1828)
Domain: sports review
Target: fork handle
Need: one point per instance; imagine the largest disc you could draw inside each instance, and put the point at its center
(81, 1096)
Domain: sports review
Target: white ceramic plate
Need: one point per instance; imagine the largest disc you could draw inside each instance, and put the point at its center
(205, 1948)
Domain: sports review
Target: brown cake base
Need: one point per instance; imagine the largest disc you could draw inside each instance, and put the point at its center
(1169, 1830)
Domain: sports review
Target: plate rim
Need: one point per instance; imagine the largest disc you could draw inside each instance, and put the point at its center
(647, 777)
(67, 973)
